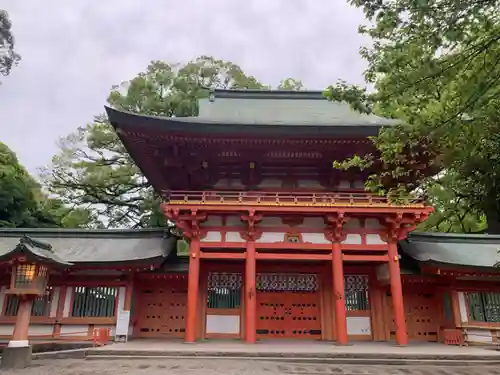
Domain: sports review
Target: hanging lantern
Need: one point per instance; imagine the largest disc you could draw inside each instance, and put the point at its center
(28, 278)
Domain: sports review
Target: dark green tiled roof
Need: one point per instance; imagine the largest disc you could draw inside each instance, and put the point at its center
(283, 113)
(93, 246)
(35, 250)
(473, 250)
(281, 108)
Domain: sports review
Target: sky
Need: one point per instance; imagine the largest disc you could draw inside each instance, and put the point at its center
(74, 51)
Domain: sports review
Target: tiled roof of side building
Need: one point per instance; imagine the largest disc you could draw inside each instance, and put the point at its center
(469, 250)
(263, 112)
(94, 246)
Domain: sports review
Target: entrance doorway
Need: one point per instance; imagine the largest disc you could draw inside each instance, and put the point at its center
(161, 307)
(288, 306)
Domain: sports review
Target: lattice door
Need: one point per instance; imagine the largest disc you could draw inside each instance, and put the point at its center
(422, 311)
(288, 305)
(161, 307)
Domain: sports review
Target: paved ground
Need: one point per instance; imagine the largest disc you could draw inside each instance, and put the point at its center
(231, 367)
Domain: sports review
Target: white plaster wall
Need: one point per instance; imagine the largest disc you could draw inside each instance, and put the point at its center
(212, 221)
(358, 184)
(317, 238)
(358, 325)
(312, 222)
(344, 184)
(270, 183)
(212, 237)
(235, 221)
(314, 184)
(271, 221)
(222, 183)
(228, 324)
(2, 297)
(373, 223)
(234, 237)
(272, 237)
(54, 302)
(40, 329)
(74, 330)
(463, 307)
(353, 239)
(6, 329)
(67, 301)
(235, 183)
(479, 335)
(374, 239)
(352, 224)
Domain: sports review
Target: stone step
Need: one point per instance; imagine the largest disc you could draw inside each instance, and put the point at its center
(288, 354)
(310, 360)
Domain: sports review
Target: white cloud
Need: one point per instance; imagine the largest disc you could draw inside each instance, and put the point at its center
(74, 51)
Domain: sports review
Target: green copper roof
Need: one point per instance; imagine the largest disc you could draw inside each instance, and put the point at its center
(262, 113)
(281, 108)
(473, 250)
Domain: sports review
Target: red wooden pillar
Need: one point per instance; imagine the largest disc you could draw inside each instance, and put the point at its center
(250, 294)
(339, 294)
(20, 335)
(397, 295)
(193, 290)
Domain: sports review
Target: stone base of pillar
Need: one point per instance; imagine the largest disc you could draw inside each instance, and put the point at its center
(16, 357)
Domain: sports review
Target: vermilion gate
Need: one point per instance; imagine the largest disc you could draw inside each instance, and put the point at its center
(288, 306)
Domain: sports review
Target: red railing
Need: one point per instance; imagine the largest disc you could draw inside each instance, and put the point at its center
(259, 198)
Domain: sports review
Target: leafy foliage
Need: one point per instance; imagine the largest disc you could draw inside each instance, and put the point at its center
(8, 57)
(435, 66)
(22, 203)
(93, 170)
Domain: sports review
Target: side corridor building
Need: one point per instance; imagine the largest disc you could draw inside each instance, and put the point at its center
(281, 244)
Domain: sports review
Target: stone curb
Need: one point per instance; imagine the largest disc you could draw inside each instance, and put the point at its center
(338, 361)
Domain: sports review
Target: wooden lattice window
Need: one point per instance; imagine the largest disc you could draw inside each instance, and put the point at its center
(41, 305)
(224, 290)
(286, 282)
(356, 292)
(484, 306)
(94, 301)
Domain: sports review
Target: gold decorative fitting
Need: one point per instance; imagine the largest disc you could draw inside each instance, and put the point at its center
(252, 165)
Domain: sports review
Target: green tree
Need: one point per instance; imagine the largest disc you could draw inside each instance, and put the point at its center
(93, 169)
(435, 66)
(291, 84)
(23, 204)
(8, 57)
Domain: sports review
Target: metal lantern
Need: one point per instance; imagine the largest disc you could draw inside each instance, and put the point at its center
(28, 278)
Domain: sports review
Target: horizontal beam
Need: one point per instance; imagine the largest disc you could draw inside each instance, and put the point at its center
(204, 255)
(291, 246)
(303, 257)
(359, 209)
(365, 258)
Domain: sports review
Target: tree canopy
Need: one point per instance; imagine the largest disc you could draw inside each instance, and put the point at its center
(8, 56)
(23, 204)
(93, 170)
(435, 66)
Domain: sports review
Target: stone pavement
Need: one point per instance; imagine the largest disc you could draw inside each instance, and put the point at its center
(231, 367)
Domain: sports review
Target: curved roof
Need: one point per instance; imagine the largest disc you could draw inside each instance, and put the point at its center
(93, 246)
(473, 250)
(261, 112)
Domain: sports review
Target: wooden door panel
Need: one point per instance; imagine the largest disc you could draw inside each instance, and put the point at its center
(422, 312)
(161, 308)
(288, 306)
